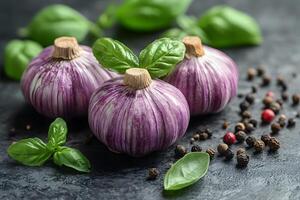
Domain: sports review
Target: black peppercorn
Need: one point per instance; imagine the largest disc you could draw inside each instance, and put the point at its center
(275, 107)
(242, 160)
(241, 151)
(211, 152)
(222, 148)
(284, 96)
(251, 73)
(196, 148)
(196, 137)
(209, 132)
(275, 127)
(260, 71)
(239, 127)
(267, 101)
(180, 151)
(291, 122)
(250, 141)
(296, 99)
(280, 102)
(265, 138)
(240, 136)
(203, 136)
(246, 114)
(249, 127)
(250, 98)
(244, 105)
(152, 174)
(192, 140)
(254, 89)
(259, 146)
(225, 125)
(253, 122)
(266, 80)
(274, 144)
(228, 154)
(298, 115)
(280, 80)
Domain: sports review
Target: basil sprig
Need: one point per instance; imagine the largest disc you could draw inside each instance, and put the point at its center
(186, 171)
(159, 58)
(220, 26)
(34, 152)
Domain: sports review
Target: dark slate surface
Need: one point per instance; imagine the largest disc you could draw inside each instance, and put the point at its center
(268, 176)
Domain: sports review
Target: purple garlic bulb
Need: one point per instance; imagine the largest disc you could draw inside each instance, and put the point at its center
(61, 79)
(136, 115)
(207, 77)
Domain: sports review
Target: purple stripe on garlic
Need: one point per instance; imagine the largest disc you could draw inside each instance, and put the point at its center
(207, 77)
(61, 86)
(138, 117)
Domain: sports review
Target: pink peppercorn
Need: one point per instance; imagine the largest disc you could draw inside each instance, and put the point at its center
(270, 94)
(267, 115)
(229, 138)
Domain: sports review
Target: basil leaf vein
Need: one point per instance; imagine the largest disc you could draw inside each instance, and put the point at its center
(57, 134)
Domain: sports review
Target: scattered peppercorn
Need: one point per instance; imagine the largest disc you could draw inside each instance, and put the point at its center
(152, 174)
(242, 160)
(241, 151)
(240, 95)
(253, 122)
(296, 99)
(244, 105)
(222, 148)
(275, 127)
(196, 148)
(267, 115)
(203, 136)
(209, 132)
(225, 125)
(250, 141)
(28, 127)
(180, 151)
(246, 114)
(274, 144)
(249, 127)
(298, 115)
(270, 94)
(196, 137)
(266, 80)
(251, 73)
(267, 101)
(239, 127)
(192, 140)
(250, 98)
(284, 96)
(280, 102)
(280, 80)
(229, 138)
(254, 89)
(275, 107)
(291, 122)
(282, 121)
(228, 154)
(265, 138)
(260, 71)
(259, 146)
(240, 136)
(211, 152)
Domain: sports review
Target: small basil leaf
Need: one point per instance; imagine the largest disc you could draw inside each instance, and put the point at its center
(228, 27)
(186, 171)
(150, 15)
(57, 134)
(175, 33)
(17, 56)
(72, 158)
(31, 152)
(55, 21)
(161, 56)
(114, 55)
(108, 18)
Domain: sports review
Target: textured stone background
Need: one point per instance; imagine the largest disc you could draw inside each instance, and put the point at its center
(268, 176)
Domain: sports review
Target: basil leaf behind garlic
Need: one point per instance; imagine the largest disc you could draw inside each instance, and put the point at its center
(55, 21)
(150, 15)
(186, 171)
(31, 152)
(17, 55)
(57, 134)
(160, 57)
(114, 55)
(227, 27)
(71, 158)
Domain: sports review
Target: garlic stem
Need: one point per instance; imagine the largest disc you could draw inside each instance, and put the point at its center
(66, 48)
(137, 78)
(193, 46)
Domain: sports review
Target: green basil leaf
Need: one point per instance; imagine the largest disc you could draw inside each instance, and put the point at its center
(150, 15)
(186, 171)
(72, 158)
(57, 134)
(161, 56)
(228, 27)
(175, 33)
(114, 55)
(108, 18)
(55, 21)
(17, 55)
(31, 152)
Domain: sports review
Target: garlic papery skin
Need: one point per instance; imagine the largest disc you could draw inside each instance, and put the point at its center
(61, 79)
(207, 78)
(136, 115)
